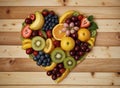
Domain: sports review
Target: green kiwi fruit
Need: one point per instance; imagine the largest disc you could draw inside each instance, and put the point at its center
(38, 43)
(58, 55)
(93, 33)
(69, 62)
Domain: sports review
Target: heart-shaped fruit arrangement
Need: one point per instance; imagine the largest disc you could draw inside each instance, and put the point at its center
(58, 44)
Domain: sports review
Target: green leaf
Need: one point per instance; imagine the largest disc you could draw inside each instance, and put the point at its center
(93, 26)
(90, 18)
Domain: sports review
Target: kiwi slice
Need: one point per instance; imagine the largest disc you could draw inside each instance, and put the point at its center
(58, 55)
(38, 43)
(93, 33)
(69, 62)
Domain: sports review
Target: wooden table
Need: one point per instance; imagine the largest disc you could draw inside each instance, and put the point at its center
(101, 68)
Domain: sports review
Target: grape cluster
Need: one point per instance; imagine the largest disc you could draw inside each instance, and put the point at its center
(57, 71)
(80, 49)
(42, 59)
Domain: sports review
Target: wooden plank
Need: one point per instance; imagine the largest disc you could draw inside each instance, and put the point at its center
(92, 3)
(21, 12)
(105, 25)
(6, 51)
(103, 38)
(31, 3)
(59, 86)
(40, 78)
(88, 65)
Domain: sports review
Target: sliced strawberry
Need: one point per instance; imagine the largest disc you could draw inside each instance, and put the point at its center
(26, 32)
(32, 17)
(85, 23)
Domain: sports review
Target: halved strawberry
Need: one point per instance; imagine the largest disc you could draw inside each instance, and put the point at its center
(32, 17)
(85, 23)
(26, 32)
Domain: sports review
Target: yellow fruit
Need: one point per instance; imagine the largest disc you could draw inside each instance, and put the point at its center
(91, 41)
(26, 46)
(57, 32)
(51, 67)
(63, 76)
(66, 15)
(67, 43)
(83, 34)
(26, 41)
(39, 21)
(49, 46)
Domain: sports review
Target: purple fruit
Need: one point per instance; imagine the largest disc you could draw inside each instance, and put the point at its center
(49, 73)
(77, 24)
(56, 69)
(28, 21)
(59, 74)
(60, 65)
(80, 53)
(88, 50)
(29, 51)
(72, 52)
(83, 48)
(77, 48)
(68, 21)
(78, 42)
(74, 35)
(77, 57)
(35, 33)
(74, 18)
(54, 77)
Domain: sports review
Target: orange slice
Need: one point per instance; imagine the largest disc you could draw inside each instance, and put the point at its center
(57, 32)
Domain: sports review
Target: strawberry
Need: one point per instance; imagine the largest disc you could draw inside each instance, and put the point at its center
(85, 23)
(80, 17)
(26, 32)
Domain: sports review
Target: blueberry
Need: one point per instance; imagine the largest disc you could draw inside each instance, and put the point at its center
(35, 58)
(48, 64)
(43, 64)
(38, 56)
(41, 53)
(46, 18)
(46, 22)
(49, 15)
(49, 19)
(56, 17)
(45, 61)
(42, 57)
(48, 60)
(47, 55)
(51, 28)
(39, 62)
(56, 21)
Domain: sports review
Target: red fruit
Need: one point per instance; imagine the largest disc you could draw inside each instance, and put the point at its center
(28, 21)
(32, 17)
(52, 12)
(62, 70)
(80, 17)
(26, 32)
(29, 51)
(49, 34)
(56, 43)
(40, 34)
(85, 23)
(35, 53)
(45, 12)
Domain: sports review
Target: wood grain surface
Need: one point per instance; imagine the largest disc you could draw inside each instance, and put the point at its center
(100, 69)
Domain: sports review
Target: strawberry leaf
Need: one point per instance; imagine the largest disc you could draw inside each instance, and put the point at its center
(93, 26)
(90, 18)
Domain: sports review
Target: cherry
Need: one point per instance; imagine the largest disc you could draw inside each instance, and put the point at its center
(28, 21)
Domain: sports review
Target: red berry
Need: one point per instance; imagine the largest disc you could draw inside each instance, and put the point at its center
(26, 32)
(54, 77)
(45, 12)
(32, 17)
(49, 34)
(85, 23)
(56, 43)
(80, 17)
(29, 51)
(52, 12)
(28, 21)
(35, 53)
(62, 70)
